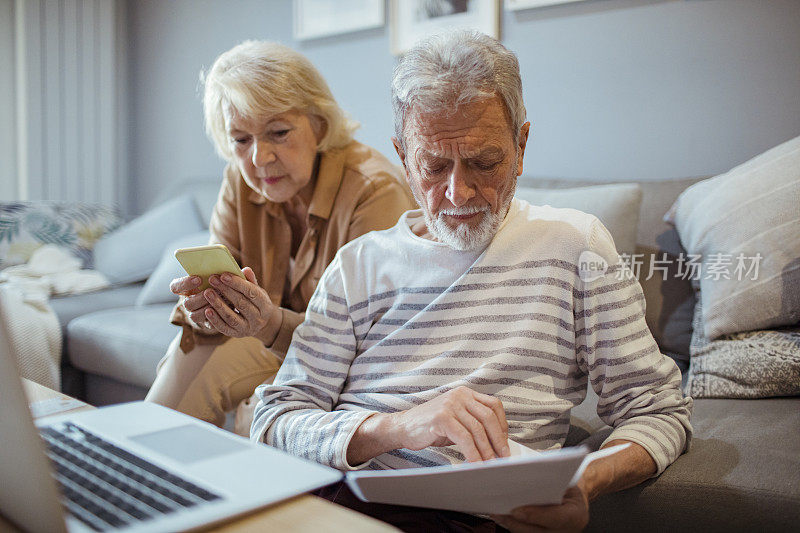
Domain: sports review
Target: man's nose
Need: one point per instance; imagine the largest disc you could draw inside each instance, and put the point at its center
(459, 191)
(263, 154)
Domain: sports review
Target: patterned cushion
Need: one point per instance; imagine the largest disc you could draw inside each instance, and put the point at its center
(25, 226)
(750, 364)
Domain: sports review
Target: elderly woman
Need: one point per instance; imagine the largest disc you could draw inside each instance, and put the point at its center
(296, 188)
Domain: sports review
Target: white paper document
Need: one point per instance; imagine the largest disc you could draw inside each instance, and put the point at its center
(52, 406)
(496, 486)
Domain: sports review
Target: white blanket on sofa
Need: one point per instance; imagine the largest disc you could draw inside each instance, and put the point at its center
(32, 326)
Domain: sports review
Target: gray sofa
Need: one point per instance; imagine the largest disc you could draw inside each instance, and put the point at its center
(111, 345)
(743, 469)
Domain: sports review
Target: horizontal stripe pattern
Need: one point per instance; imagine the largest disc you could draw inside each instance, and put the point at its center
(397, 321)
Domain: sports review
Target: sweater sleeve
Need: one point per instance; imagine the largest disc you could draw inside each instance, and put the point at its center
(638, 387)
(296, 413)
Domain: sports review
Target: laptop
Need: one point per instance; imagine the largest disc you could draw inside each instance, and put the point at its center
(134, 467)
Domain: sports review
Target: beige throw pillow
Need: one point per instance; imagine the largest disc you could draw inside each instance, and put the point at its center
(746, 226)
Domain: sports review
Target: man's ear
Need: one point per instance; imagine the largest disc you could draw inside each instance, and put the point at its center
(523, 141)
(401, 154)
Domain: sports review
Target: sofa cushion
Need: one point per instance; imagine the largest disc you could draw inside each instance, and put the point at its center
(744, 224)
(616, 205)
(25, 226)
(132, 252)
(73, 306)
(123, 344)
(749, 364)
(742, 473)
(156, 289)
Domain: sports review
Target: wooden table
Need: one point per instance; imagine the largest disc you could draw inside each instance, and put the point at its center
(302, 513)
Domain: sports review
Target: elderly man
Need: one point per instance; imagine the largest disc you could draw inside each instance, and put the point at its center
(469, 323)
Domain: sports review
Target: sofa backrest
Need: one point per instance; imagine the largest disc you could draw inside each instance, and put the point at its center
(657, 198)
(204, 190)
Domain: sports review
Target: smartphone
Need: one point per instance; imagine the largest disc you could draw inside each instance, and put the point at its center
(204, 261)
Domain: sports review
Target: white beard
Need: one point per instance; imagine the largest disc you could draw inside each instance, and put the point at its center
(463, 237)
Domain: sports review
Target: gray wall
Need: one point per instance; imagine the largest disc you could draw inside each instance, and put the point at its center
(624, 89)
(8, 145)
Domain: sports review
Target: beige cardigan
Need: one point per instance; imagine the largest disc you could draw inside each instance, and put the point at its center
(357, 190)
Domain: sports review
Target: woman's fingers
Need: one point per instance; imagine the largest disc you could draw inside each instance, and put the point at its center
(186, 286)
(195, 303)
(224, 310)
(249, 275)
(213, 318)
(199, 317)
(237, 300)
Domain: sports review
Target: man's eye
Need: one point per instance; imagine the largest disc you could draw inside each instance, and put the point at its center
(486, 165)
(435, 168)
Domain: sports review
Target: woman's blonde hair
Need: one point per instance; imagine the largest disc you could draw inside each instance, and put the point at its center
(261, 78)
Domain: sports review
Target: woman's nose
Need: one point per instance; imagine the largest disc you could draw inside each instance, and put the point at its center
(263, 154)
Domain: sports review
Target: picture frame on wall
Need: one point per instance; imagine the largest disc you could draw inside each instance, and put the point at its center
(412, 20)
(322, 18)
(517, 5)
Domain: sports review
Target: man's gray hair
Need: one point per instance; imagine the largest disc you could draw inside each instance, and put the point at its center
(447, 70)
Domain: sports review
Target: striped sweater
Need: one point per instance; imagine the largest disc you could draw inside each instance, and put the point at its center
(397, 320)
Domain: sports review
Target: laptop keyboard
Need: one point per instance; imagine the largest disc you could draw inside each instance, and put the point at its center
(107, 487)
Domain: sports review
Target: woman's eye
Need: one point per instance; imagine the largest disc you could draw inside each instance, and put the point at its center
(280, 134)
(241, 140)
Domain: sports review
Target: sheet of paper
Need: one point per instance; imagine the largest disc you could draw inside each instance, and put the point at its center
(498, 486)
(52, 406)
(489, 487)
(518, 449)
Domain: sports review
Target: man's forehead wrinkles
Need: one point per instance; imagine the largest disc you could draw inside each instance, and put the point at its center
(462, 149)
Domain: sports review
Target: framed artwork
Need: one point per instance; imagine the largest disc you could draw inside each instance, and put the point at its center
(321, 18)
(412, 20)
(516, 5)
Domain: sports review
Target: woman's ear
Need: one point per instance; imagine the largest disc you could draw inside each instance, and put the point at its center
(320, 127)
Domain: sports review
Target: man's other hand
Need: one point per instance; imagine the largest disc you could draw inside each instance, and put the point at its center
(571, 515)
(474, 422)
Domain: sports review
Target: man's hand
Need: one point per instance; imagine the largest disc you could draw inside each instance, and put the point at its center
(571, 515)
(474, 422)
(625, 468)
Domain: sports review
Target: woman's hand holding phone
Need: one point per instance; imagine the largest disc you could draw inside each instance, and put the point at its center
(239, 307)
(219, 297)
(232, 306)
